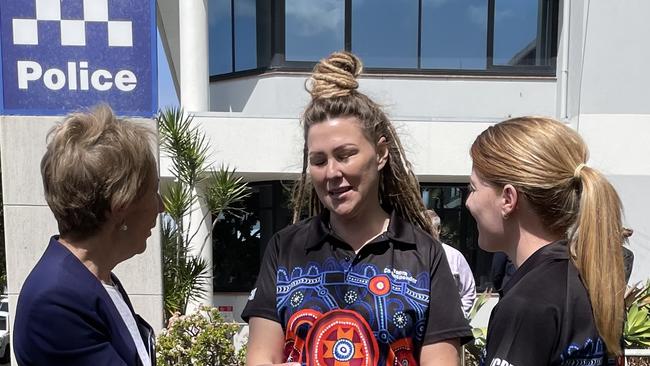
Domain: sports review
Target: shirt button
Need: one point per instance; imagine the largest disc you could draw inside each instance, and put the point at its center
(347, 258)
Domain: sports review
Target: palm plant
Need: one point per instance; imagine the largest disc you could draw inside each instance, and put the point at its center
(185, 274)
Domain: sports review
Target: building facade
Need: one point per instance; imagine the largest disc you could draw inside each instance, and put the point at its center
(444, 71)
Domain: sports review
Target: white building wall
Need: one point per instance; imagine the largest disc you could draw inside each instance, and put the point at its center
(610, 107)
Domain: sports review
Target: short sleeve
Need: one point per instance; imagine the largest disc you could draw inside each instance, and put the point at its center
(466, 286)
(523, 334)
(445, 319)
(262, 300)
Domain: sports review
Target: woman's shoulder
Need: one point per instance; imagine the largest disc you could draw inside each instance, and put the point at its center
(302, 232)
(57, 277)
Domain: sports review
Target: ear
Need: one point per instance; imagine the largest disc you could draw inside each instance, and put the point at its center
(509, 199)
(382, 153)
(116, 216)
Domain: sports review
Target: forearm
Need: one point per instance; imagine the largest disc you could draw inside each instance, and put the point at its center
(265, 343)
(445, 353)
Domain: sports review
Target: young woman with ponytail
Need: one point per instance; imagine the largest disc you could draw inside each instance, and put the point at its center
(360, 282)
(559, 220)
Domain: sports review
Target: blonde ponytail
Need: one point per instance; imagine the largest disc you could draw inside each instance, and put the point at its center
(596, 249)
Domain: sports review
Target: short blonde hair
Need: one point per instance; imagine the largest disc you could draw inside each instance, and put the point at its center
(545, 161)
(95, 163)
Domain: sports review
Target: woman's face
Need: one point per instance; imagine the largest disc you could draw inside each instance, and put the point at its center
(344, 166)
(141, 216)
(485, 204)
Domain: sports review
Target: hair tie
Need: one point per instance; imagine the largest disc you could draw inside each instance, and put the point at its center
(576, 173)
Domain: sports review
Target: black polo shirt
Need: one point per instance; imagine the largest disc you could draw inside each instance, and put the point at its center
(381, 304)
(544, 316)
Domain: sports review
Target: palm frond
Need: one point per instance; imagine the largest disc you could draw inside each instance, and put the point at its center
(225, 191)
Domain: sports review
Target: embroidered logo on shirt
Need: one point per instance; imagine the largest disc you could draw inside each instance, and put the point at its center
(252, 295)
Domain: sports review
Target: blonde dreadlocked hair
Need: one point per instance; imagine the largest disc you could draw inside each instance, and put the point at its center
(333, 88)
(544, 160)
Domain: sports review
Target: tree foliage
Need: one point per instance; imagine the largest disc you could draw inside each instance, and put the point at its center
(185, 274)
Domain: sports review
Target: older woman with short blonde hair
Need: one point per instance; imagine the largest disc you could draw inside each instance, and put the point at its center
(101, 183)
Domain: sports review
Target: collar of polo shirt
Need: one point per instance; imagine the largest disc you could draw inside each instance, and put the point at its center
(319, 230)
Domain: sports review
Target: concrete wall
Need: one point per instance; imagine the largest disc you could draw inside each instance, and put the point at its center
(29, 222)
(427, 98)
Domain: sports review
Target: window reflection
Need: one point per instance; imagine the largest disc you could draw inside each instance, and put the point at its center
(245, 35)
(314, 29)
(385, 32)
(458, 228)
(220, 43)
(516, 32)
(454, 34)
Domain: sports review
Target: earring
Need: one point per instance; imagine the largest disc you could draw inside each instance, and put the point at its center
(123, 227)
(506, 216)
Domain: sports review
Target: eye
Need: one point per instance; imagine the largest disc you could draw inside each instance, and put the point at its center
(345, 154)
(317, 160)
(471, 188)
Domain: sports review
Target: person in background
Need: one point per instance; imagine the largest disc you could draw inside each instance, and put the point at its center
(628, 255)
(459, 267)
(501, 270)
(101, 182)
(360, 282)
(559, 220)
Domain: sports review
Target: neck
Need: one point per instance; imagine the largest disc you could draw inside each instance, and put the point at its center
(529, 238)
(93, 253)
(360, 229)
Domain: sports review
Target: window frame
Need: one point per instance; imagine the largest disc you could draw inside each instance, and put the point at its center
(271, 56)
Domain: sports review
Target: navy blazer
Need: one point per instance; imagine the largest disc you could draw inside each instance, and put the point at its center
(64, 316)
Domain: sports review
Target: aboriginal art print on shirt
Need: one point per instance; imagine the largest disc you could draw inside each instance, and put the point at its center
(338, 314)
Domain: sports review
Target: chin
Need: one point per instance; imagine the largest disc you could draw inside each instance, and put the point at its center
(483, 244)
(342, 211)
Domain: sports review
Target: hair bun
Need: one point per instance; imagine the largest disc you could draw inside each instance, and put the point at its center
(335, 76)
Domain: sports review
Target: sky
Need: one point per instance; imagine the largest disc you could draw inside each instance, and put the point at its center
(166, 92)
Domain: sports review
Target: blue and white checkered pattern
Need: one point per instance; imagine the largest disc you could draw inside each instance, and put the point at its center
(73, 31)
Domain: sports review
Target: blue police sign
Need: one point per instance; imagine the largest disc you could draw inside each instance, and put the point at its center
(62, 55)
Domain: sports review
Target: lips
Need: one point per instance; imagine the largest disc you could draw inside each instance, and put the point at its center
(338, 192)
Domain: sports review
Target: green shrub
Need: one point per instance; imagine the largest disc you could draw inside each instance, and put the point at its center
(200, 339)
(636, 332)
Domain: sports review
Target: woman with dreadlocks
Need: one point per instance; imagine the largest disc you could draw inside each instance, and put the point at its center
(361, 282)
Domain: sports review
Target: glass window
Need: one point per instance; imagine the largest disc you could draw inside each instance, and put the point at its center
(239, 241)
(245, 35)
(454, 34)
(458, 227)
(220, 37)
(313, 29)
(385, 32)
(516, 24)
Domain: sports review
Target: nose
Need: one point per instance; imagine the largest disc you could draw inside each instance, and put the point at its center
(333, 169)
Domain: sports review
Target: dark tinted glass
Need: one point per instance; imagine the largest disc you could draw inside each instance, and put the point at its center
(239, 241)
(220, 37)
(245, 35)
(458, 228)
(313, 29)
(454, 34)
(385, 32)
(516, 27)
